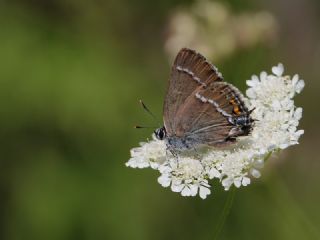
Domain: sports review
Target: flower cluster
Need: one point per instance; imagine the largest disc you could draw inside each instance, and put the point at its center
(275, 128)
(211, 28)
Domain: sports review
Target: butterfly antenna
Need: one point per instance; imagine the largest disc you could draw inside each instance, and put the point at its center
(148, 111)
(138, 126)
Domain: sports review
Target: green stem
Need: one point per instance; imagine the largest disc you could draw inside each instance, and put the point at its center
(227, 207)
(225, 213)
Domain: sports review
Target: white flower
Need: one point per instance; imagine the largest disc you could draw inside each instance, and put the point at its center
(150, 154)
(276, 128)
(215, 30)
(185, 176)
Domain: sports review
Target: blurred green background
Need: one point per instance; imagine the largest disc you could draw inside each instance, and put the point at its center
(71, 75)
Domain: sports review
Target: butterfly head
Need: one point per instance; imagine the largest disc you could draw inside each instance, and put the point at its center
(160, 133)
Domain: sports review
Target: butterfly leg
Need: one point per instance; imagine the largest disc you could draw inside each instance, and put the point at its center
(196, 153)
(172, 152)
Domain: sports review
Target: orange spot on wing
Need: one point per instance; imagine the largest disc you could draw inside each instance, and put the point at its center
(236, 110)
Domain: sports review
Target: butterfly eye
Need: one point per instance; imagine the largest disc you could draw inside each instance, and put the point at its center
(160, 133)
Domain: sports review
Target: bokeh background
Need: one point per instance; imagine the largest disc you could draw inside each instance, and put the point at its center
(71, 75)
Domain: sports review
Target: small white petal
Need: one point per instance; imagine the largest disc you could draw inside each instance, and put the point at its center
(177, 186)
(154, 165)
(186, 191)
(253, 82)
(214, 173)
(136, 162)
(299, 86)
(298, 114)
(255, 173)
(251, 93)
(295, 79)
(263, 76)
(299, 133)
(204, 192)
(164, 180)
(227, 182)
(246, 181)
(237, 182)
(278, 70)
(194, 189)
(164, 168)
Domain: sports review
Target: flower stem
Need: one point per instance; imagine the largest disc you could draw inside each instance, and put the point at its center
(225, 212)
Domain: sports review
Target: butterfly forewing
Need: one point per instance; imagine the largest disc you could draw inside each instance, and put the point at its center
(189, 72)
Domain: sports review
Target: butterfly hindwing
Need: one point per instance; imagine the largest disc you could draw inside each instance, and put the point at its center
(208, 114)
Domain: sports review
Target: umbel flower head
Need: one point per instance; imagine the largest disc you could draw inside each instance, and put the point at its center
(277, 119)
(216, 31)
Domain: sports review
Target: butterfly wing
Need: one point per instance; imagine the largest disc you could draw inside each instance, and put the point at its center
(209, 113)
(190, 71)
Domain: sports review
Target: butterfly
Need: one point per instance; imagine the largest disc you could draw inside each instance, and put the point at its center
(200, 108)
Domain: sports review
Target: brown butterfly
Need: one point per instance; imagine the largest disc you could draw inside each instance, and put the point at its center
(200, 109)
